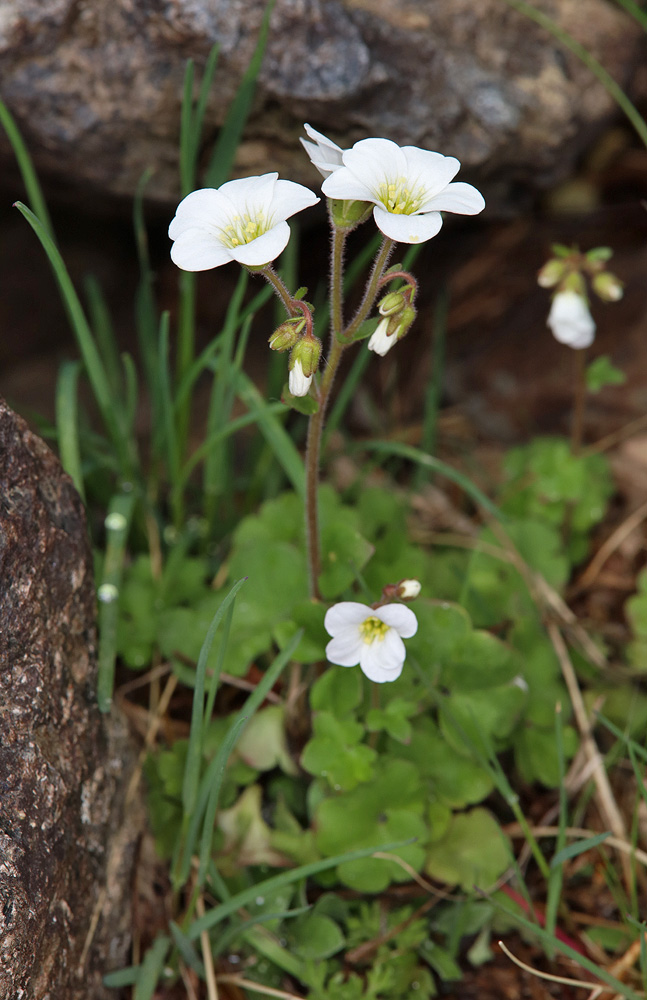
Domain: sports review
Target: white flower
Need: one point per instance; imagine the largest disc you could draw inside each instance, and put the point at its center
(571, 321)
(298, 383)
(408, 590)
(242, 220)
(324, 154)
(372, 638)
(409, 187)
(380, 341)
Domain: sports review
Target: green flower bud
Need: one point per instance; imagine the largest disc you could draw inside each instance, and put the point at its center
(308, 352)
(391, 304)
(349, 214)
(574, 282)
(286, 335)
(607, 287)
(551, 273)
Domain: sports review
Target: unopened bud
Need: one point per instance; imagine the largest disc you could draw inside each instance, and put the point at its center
(349, 214)
(391, 304)
(286, 335)
(551, 273)
(307, 352)
(607, 287)
(408, 590)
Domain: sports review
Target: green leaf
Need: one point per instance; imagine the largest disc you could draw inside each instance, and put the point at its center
(602, 372)
(338, 690)
(316, 937)
(577, 848)
(344, 551)
(334, 752)
(473, 852)
(307, 405)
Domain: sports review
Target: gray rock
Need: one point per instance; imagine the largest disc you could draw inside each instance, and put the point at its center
(66, 839)
(96, 86)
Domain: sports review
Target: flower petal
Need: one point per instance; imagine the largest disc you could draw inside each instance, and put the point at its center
(432, 171)
(324, 154)
(290, 198)
(399, 617)
(250, 191)
(464, 199)
(346, 647)
(375, 161)
(264, 248)
(298, 383)
(198, 250)
(383, 661)
(343, 184)
(407, 228)
(198, 209)
(345, 613)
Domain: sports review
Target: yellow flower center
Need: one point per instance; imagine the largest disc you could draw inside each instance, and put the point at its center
(400, 199)
(243, 229)
(373, 630)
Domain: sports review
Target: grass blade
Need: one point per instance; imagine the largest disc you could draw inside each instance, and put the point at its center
(117, 525)
(224, 152)
(435, 388)
(67, 423)
(194, 751)
(27, 172)
(151, 968)
(415, 455)
(270, 885)
(275, 434)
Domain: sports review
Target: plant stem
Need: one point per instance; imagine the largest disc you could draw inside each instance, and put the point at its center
(339, 341)
(579, 401)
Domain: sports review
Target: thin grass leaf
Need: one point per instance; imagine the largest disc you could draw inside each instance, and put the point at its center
(131, 393)
(434, 392)
(27, 172)
(223, 910)
(214, 680)
(266, 944)
(226, 940)
(151, 968)
(224, 152)
(117, 524)
(612, 88)
(104, 336)
(578, 847)
(67, 423)
(146, 310)
(194, 750)
(347, 391)
(217, 773)
(166, 433)
(108, 406)
(186, 949)
(122, 977)
(556, 877)
(184, 850)
(218, 473)
(635, 11)
(417, 456)
(627, 740)
(275, 434)
(585, 963)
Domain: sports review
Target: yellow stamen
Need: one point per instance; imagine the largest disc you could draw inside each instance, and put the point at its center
(399, 198)
(373, 630)
(244, 230)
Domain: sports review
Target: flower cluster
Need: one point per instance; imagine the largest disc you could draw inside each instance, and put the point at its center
(570, 318)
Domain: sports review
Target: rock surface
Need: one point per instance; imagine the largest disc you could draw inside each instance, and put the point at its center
(96, 85)
(66, 849)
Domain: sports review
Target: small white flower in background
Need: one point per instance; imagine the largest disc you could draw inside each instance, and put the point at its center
(570, 320)
(298, 383)
(324, 154)
(409, 187)
(369, 637)
(408, 590)
(242, 220)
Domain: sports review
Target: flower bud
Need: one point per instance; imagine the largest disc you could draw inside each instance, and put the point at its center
(286, 335)
(570, 320)
(298, 382)
(392, 303)
(408, 590)
(307, 352)
(551, 273)
(348, 214)
(607, 287)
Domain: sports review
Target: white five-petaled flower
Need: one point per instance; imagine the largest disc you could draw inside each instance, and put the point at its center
(298, 383)
(324, 154)
(242, 220)
(570, 320)
(369, 637)
(408, 186)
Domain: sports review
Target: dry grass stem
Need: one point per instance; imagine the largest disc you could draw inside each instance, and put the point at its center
(612, 543)
(249, 984)
(207, 957)
(555, 979)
